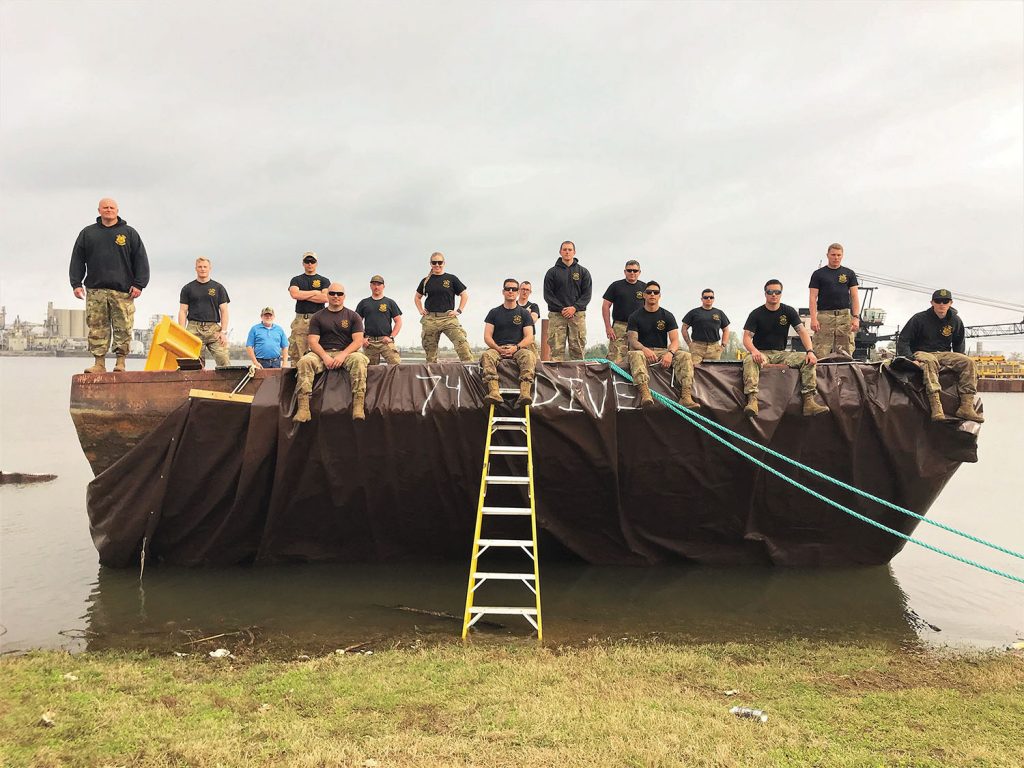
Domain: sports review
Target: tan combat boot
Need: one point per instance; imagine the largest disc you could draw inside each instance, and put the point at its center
(100, 366)
(525, 394)
(646, 399)
(935, 403)
(686, 399)
(493, 393)
(119, 365)
(966, 410)
(750, 409)
(358, 400)
(302, 409)
(811, 406)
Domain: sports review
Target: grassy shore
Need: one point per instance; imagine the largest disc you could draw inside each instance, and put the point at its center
(621, 705)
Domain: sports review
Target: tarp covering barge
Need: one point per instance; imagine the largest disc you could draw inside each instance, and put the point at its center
(222, 483)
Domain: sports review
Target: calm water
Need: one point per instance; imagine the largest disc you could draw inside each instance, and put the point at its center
(54, 594)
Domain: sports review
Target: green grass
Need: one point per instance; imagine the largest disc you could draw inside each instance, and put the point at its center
(622, 705)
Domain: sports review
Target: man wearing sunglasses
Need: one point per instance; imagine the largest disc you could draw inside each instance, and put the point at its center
(567, 291)
(764, 336)
(309, 292)
(935, 340)
(335, 338)
(382, 320)
(622, 299)
(834, 305)
(440, 315)
(653, 336)
(508, 334)
(706, 322)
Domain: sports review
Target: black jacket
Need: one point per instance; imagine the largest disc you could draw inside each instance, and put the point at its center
(926, 332)
(567, 287)
(109, 257)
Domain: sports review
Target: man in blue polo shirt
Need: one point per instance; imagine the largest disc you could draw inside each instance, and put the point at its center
(267, 343)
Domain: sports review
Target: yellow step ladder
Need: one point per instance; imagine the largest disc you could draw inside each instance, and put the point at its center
(519, 446)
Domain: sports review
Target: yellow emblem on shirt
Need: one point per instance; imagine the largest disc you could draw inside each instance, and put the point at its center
(575, 275)
(660, 325)
(639, 294)
(383, 307)
(447, 283)
(344, 323)
(716, 317)
(783, 320)
(316, 283)
(947, 330)
(842, 277)
(120, 239)
(211, 291)
(517, 319)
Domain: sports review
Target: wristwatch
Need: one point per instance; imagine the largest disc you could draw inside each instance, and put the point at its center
(458, 311)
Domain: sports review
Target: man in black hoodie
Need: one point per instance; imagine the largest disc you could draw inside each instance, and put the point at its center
(567, 289)
(111, 260)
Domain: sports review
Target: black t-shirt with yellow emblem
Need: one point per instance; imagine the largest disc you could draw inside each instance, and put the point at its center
(771, 329)
(204, 300)
(652, 327)
(833, 287)
(626, 298)
(705, 324)
(509, 324)
(377, 315)
(440, 291)
(306, 282)
(335, 329)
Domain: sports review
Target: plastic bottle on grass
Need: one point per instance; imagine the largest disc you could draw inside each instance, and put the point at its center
(753, 714)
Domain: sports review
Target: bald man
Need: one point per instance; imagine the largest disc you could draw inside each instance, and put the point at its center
(335, 339)
(109, 269)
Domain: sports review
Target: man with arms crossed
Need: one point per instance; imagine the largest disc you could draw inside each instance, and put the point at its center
(567, 290)
(835, 305)
(764, 337)
(622, 299)
(204, 306)
(309, 291)
(335, 338)
(382, 320)
(440, 315)
(525, 289)
(111, 259)
(508, 334)
(653, 336)
(266, 343)
(707, 321)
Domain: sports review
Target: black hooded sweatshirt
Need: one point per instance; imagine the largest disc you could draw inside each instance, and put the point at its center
(567, 286)
(927, 332)
(109, 257)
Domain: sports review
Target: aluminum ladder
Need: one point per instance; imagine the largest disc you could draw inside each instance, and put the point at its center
(520, 446)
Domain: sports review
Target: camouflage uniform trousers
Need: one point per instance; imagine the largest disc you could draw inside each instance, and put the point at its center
(525, 359)
(835, 334)
(376, 348)
(210, 334)
(954, 361)
(563, 330)
(705, 350)
(752, 371)
(298, 345)
(109, 313)
(682, 366)
(618, 348)
(433, 325)
(310, 365)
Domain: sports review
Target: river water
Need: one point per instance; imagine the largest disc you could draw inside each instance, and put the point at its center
(54, 594)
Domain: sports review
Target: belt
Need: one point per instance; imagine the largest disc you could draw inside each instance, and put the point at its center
(268, 359)
(833, 311)
(441, 313)
(376, 338)
(305, 316)
(204, 322)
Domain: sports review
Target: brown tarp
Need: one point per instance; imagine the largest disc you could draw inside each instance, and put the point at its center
(222, 483)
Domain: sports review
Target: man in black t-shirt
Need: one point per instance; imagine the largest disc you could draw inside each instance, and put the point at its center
(310, 293)
(525, 290)
(764, 337)
(383, 320)
(508, 334)
(707, 321)
(622, 299)
(335, 338)
(203, 309)
(835, 305)
(653, 337)
(440, 315)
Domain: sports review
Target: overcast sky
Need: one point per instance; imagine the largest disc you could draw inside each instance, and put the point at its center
(720, 144)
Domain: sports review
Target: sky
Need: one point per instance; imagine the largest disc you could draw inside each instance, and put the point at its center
(720, 144)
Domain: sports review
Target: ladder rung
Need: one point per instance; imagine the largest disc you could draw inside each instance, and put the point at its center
(524, 511)
(506, 543)
(503, 575)
(509, 390)
(508, 420)
(508, 480)
(512, 427)
(509, 610)
(512, 450)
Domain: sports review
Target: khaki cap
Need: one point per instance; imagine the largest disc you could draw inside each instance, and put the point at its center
(267, 311)
(377, 279)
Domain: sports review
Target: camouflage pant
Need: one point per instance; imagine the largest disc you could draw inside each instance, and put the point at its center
(376, 348)
(835, 334)
(436, 323)
(210, 334)
(109, 312)
(563, 330)
(310, 365)
(297, 341)
(705, 350)
(954, 361)
(682, 366)
(618, 348)
(752, 371)
(525, 359)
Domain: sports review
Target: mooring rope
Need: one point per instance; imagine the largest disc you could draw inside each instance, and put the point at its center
(693, 419)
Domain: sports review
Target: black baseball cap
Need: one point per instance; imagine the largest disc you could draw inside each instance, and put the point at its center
(943, 294)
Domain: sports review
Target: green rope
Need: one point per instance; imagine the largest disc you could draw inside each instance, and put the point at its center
(692, 418)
